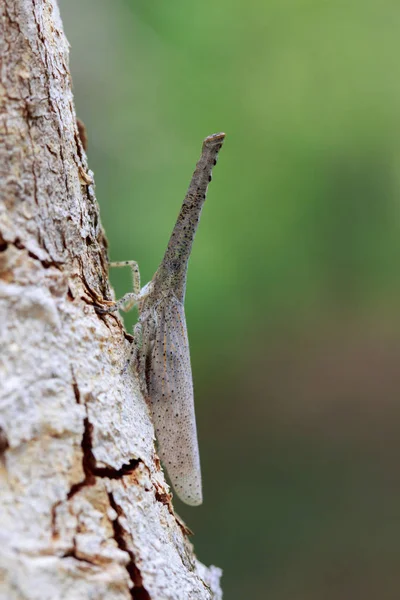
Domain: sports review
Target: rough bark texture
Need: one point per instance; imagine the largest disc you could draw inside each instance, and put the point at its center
(85, 511)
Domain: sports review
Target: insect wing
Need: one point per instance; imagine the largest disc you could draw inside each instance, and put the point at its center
(172, 402)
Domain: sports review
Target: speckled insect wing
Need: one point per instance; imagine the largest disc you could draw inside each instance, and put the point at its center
(172, 404)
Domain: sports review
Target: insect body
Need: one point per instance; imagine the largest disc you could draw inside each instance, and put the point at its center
(161, 348)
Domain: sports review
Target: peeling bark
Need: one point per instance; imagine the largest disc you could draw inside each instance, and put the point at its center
(85, 510)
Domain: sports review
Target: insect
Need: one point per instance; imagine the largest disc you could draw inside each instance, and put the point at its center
(160, 349)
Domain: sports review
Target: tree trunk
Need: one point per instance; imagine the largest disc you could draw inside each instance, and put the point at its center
(85, 511)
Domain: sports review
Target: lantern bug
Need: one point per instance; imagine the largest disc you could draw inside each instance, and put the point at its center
(160, 349)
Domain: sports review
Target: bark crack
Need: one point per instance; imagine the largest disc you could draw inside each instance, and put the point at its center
(73, 554)
(88, 460)
(90, 469)
(138, 592)
(29, 126)
(18, 244)
(3, 444)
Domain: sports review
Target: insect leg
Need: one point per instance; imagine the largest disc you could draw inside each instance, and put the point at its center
(135, 272)
(125, 303)
(128, 301)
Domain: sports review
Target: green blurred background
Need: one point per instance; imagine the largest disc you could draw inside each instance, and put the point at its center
(294, 287)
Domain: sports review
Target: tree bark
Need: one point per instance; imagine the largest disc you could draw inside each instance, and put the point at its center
(85, 510)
